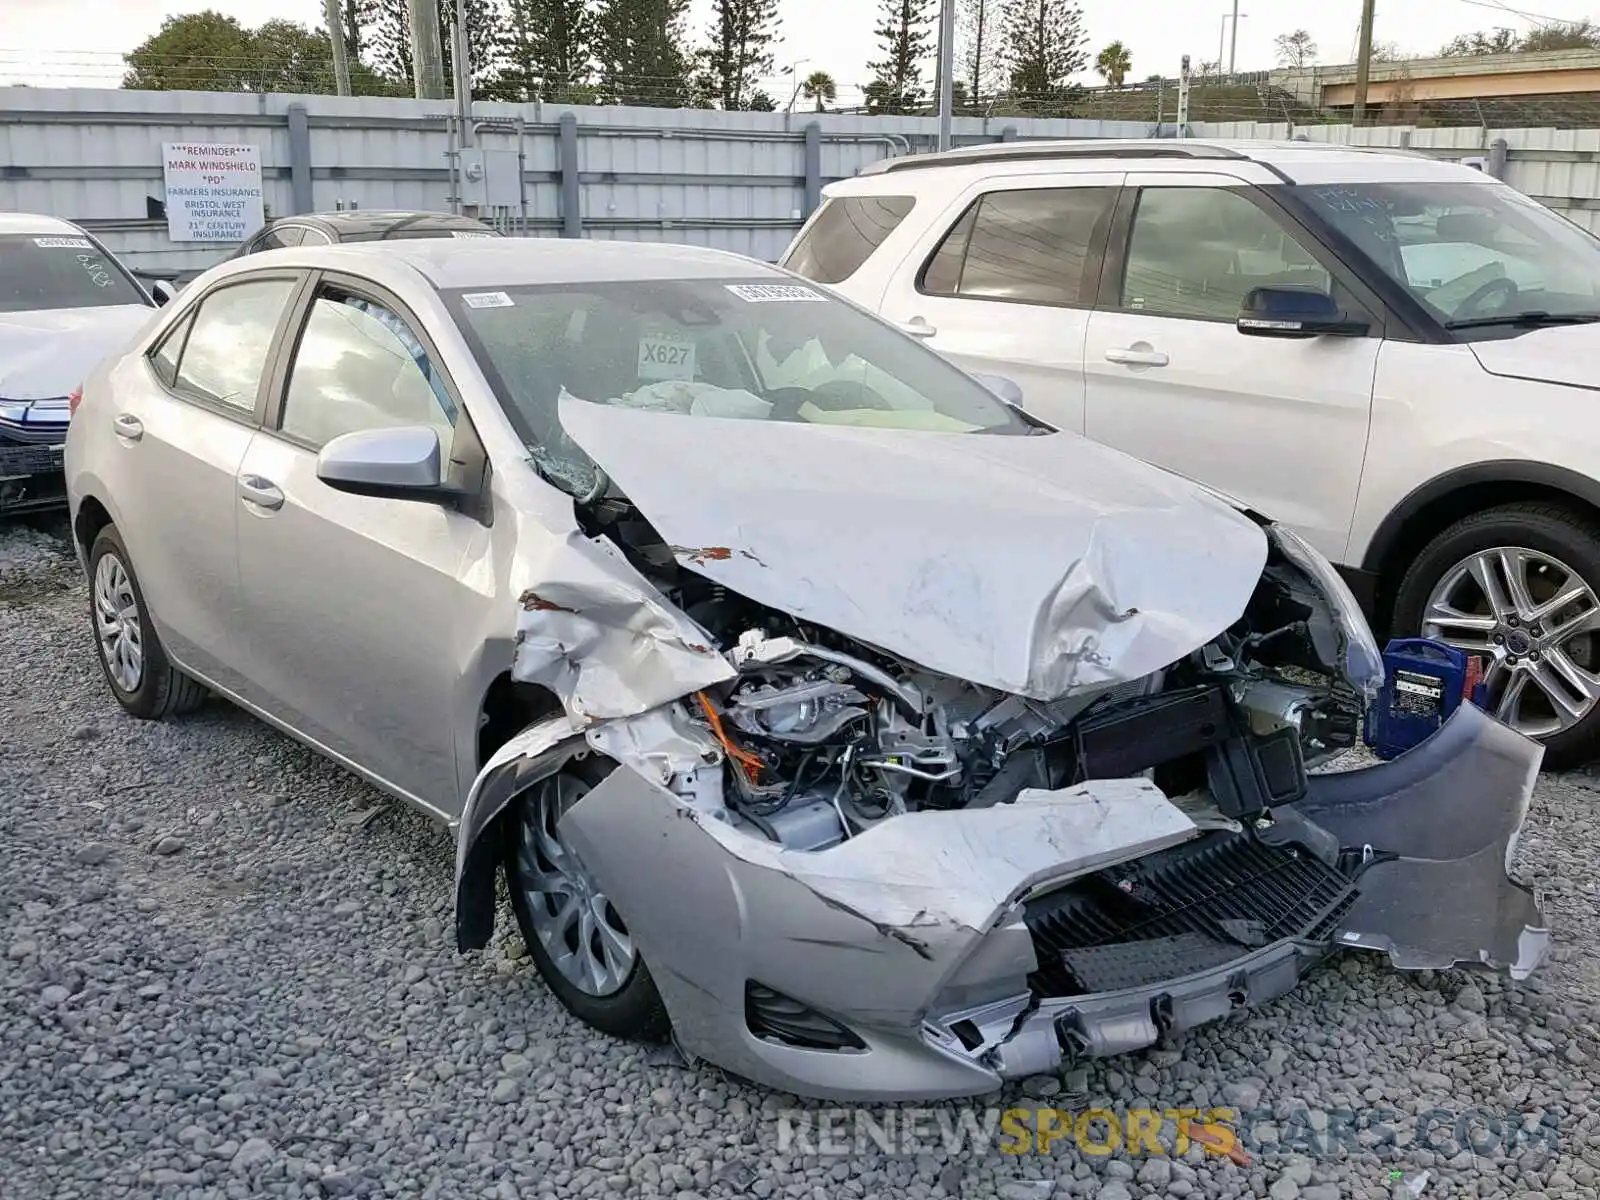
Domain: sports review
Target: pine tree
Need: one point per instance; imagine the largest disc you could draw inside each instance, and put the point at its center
(742, 34)
(906, 37)
(1043, 47)
(387, 28)
(978, 48)
(546, 48)
(639, 48)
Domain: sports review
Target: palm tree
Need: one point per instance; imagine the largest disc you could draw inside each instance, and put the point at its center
(819, 86)
(1114, 63)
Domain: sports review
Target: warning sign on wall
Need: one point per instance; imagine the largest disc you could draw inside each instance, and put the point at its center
(213, 192)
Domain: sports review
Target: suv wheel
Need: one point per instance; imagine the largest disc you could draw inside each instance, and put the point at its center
(136, 667)
(1519, 586)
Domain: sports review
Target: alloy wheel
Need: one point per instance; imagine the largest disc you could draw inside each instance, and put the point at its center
(1534, 621)
(118, 624)
(575, 923)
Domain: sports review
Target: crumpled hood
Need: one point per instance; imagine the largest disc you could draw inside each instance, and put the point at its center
(1565, 354)
(46, 354)
(1036, 565)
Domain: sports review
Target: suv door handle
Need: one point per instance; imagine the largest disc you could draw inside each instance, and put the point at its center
(1140, 355)
(918, 327)
(263, 493)
(128, 426)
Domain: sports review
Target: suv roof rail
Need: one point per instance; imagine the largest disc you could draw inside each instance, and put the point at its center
(1022, 151)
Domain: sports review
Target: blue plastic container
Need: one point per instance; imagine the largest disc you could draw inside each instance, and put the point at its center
(1425, 682)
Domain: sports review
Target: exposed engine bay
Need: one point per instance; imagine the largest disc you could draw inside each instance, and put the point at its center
(822, 738)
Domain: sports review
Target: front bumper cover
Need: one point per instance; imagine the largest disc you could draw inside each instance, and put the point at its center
(912, 935)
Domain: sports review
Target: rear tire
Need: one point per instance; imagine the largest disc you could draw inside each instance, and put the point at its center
(1545, 659)
(134, 663)
(563, 915)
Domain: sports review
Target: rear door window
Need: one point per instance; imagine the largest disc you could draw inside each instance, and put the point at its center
(1030, 246)
(225, 354)
(844, 235)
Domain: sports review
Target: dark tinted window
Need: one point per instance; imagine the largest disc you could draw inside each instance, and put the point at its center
(60, 271)
(844, 235)
(225, 354)
(280, 237)
(1036, 246)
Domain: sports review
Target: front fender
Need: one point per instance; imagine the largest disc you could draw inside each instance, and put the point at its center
(534, 754)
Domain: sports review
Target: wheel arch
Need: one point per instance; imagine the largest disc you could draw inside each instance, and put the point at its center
(91, 518)
(1433, 507)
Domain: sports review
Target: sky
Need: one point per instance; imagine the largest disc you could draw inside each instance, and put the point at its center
(67, 43)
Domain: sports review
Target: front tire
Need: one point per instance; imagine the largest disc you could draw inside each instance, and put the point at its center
(132, 658)
(1519, 586)
(577, 940)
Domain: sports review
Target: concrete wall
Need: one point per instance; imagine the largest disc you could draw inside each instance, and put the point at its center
(738, 181)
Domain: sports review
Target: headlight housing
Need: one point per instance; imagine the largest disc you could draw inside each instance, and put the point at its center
(1361, 662)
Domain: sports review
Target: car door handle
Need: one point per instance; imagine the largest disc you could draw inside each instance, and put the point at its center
(263, 493)
(1137, 356)
(128, 426)
(917, 327)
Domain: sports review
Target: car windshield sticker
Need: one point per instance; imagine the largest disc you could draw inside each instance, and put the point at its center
(63, 243)
(769, 293)
(461, 233)
(487, 300)
(665, 358)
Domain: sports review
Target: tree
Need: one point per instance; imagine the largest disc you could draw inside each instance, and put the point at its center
(1470, 45)
(1388, 52)
(545, 47)
(639, 49)
(1295, 49)
(1562, 35)
(820, 87)
(742, 35)
(906, 38)
(1042, 48)
(760, 101)
(387, 30)
(976, 37)
(1114, 62)
(207, 51)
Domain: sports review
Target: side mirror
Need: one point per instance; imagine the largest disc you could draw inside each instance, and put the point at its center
(163, 291)
(1286, 312)
(402, 463)
(1008, 390)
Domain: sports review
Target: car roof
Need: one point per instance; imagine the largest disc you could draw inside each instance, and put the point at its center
(35, 223)
(358, 223)
(1287, 161)
(521, 261)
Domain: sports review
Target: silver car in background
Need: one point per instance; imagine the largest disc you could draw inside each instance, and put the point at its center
(878, 739)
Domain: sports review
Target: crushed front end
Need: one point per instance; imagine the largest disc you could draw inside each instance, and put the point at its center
(33, 435)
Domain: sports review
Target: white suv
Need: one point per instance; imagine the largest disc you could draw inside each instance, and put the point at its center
(1391, 355)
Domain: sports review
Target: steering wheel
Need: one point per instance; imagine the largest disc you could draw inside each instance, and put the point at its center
(1477, 304)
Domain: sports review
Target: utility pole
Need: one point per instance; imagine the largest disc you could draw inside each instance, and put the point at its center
(341, 65)
(1233, 41)
(1363, 64)
(947, 69)
(427, 54)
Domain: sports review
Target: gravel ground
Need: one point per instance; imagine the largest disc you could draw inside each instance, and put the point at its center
(228, 971)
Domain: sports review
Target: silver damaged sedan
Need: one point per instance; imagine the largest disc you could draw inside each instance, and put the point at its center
(815, 703)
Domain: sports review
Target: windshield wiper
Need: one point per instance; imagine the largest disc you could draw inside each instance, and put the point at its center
(1529, 320)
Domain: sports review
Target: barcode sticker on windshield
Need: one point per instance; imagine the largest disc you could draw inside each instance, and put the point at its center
(461, 233)
(768, 293)
(67, 243)
(665, 358)
(487, 300)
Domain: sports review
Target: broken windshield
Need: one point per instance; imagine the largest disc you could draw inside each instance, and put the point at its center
(761, 350)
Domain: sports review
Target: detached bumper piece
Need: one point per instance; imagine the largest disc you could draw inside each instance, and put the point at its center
(31, 477)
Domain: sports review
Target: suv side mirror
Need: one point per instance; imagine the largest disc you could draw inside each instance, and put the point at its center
(402, 463)
(1287, 312)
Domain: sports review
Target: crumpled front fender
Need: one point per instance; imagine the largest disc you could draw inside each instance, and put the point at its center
(1442, 823)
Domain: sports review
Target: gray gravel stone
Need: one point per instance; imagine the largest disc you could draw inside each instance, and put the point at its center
(211, 1025)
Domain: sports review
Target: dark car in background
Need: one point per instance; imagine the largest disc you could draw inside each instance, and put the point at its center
(354, 225)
